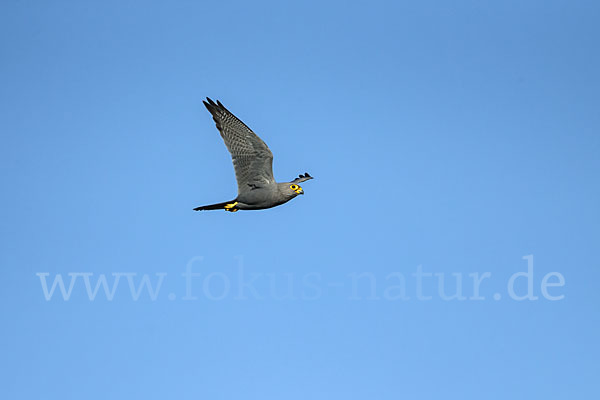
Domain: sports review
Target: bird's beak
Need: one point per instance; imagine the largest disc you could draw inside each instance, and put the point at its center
(300, 191)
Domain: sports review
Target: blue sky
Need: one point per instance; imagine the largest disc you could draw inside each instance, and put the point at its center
(450, 138)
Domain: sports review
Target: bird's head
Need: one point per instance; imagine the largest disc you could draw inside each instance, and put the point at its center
(296, 188)
(290, 189)
(293, 189)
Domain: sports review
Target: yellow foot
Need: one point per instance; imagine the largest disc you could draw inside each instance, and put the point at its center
(231, 207)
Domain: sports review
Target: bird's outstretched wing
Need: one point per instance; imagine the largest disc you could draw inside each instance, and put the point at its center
(252, 159)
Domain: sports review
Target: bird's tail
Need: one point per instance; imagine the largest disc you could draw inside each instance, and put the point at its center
(218, 206)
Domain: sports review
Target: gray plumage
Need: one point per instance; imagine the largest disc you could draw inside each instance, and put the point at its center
(253, 164)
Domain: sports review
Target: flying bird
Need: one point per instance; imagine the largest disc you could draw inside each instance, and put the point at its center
(253, 164)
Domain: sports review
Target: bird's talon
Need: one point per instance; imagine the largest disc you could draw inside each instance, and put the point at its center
(231, 207)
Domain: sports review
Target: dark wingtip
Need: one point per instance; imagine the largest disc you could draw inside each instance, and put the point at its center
(212, 106)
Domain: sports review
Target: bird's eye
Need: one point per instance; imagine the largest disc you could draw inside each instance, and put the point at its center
(294, 187)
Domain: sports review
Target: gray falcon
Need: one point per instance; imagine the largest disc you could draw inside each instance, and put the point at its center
(253, 164)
